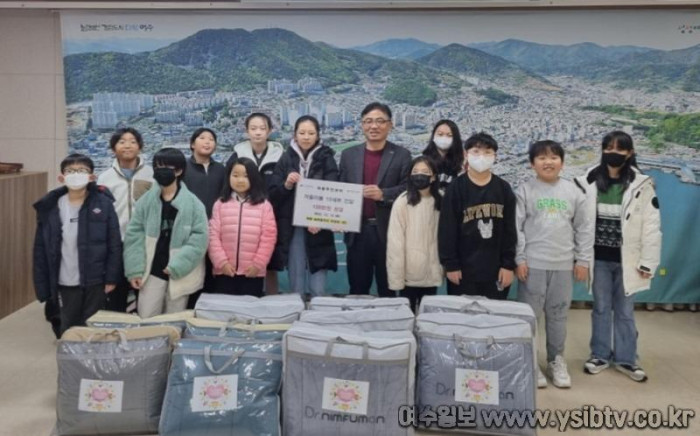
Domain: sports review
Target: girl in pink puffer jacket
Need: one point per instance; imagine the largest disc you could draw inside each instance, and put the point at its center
(242, 232)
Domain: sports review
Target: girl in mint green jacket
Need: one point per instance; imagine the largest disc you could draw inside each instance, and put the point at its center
(166, 240)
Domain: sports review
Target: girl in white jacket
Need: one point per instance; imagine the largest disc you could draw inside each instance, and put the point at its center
(623, 207)
(412, 263)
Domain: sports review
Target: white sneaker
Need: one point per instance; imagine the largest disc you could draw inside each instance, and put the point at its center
(541, 379)
(558, 373)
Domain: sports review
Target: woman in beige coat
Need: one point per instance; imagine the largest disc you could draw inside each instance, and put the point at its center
(412, 262)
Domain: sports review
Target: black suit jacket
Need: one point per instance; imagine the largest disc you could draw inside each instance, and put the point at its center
(391, 179)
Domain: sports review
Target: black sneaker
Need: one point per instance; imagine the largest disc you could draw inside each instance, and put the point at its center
(634, 372)
(595, 365)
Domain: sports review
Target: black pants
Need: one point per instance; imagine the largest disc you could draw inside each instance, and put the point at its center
(366, 261)
(79, 303)
(117, 299)
(239, 285)
(52, 313)
(484, 289)
(415, 294)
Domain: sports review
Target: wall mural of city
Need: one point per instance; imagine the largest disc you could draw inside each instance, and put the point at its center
(570, 76)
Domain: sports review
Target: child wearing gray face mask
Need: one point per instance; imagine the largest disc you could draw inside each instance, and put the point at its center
(412, 263)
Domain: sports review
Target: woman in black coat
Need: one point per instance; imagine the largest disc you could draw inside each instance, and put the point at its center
(309, 252)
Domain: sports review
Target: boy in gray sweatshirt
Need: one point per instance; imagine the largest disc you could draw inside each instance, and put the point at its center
(554, 238)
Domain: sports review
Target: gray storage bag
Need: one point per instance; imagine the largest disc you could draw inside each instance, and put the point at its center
(366, 320)
(271, 309)
(109, 319)
(202, 328)
(112, 382)
(478, 304)
(346, 384)
(480, 361)
(223, 387)
(355, 302)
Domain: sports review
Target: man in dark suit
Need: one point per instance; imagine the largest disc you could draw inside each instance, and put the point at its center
(382, 167)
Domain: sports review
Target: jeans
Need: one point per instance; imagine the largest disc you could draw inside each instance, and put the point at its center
(300, 278)
(614, 335)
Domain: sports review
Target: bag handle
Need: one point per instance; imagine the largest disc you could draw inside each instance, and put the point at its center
(461, 345)
(207, 360)
(475, 307)
(345, 307)
(339, 340)
(253, 322)
(121, 333)
(475, 297)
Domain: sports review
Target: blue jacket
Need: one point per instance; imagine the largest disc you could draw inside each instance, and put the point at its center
(99, 241)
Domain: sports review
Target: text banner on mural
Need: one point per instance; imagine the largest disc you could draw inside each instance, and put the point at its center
(328, 205)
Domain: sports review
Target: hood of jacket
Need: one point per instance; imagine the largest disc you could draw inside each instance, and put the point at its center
(273, 154)
(304, 161)
(638, 179)
(139, 164)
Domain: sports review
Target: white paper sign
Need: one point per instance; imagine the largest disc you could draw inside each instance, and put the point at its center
(101, 396)
(476, 386)
(214, 393)
(328, 205)
(346, 396)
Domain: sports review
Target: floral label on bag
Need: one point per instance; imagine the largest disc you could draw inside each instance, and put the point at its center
(476, 386)
(347, 396)
(214, 393)
(100, 396)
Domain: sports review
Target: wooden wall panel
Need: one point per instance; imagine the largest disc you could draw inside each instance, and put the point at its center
(17, 226)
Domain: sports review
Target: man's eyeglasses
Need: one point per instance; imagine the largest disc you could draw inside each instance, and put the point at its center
(379, 121)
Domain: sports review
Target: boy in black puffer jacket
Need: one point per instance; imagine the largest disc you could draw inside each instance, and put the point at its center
(77, 248)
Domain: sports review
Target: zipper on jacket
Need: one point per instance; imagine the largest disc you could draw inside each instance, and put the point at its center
(238, 242)
(129, 182)
(128, 186)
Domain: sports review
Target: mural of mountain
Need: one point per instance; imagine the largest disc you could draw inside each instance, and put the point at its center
(460, 59)
(234, 59)
(652, 70)
(627, 66)
(408, 48)
(88, 73)
(557, 59)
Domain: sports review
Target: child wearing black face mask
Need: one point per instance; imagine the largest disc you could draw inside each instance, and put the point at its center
(623, 208)
(166, 240)
(412, 262)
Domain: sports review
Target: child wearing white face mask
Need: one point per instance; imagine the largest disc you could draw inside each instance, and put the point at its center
(78, 247)
(477, 234)
(445, 149)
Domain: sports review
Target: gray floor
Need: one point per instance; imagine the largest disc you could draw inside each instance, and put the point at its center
(669, 346)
